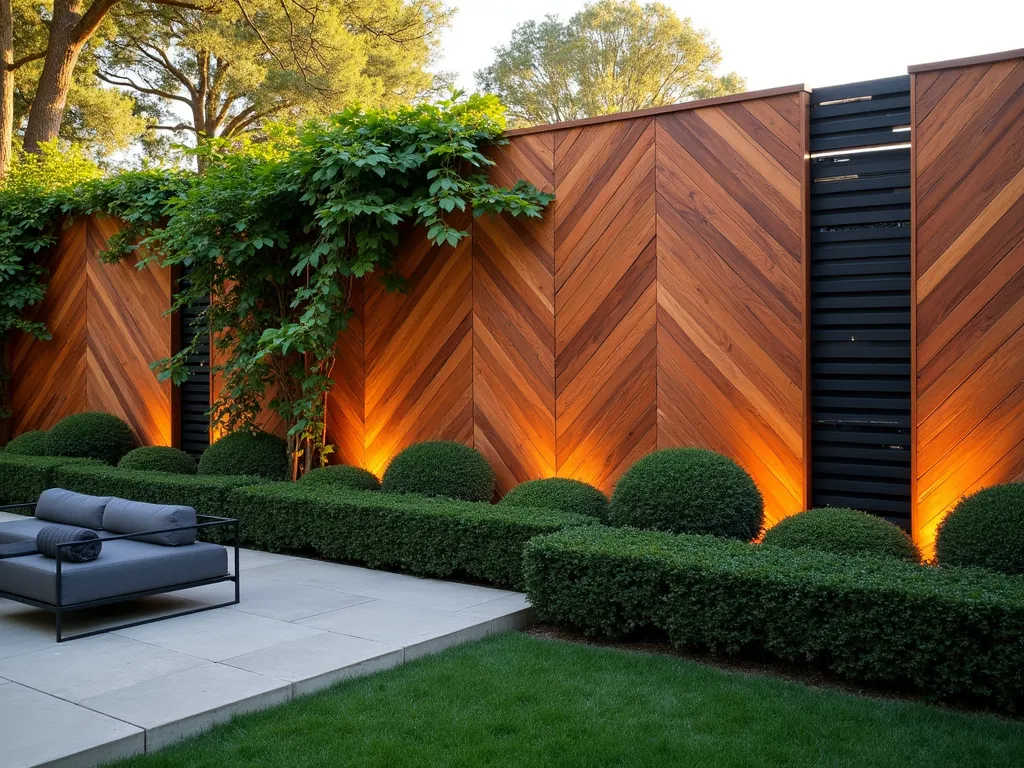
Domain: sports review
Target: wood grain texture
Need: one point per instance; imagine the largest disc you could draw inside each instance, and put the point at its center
(346, 427)
(969, 256)
(127, 330)
(605, 299)
(108, 325)
(514, 324)
(418, 349)
(731, 290)
(49, 377)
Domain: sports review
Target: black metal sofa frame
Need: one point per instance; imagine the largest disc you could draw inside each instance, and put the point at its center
(59, 608)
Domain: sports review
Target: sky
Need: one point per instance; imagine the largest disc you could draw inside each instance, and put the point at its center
(774, 42)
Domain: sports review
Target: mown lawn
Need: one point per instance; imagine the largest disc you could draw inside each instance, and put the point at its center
(517, 700)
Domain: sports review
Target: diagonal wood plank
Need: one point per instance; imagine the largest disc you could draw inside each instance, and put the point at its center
(418, 351)
(730, 291)
(970, 285)
(514, 324)
(605, 294)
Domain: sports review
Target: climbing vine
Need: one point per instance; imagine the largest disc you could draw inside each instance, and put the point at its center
(277, 233)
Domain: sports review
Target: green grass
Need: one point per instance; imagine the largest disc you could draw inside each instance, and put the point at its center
(515, 700)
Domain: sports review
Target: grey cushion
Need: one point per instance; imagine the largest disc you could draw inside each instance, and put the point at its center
(87, 548)
(56, 505)
(123, 567)
(122, 516)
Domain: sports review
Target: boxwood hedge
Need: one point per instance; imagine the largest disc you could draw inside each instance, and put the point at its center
(23, 478)
(207, 494)
(950, 633)
(426, 536)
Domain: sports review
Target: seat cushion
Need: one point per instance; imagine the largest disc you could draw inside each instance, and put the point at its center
(122, 568)
(123, 516)
(57, 505)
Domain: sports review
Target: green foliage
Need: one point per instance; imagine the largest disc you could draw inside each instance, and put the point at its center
(159, 458)
(452, 470)
(559, 493)
(23, 478)
(688, 490)
(985, 530)
(430, 537)
(842, 531)
(90, 435)
(206, 494)
(342, 476)
(246, 453)
(955, 634)
(27, 444)
(612, 56)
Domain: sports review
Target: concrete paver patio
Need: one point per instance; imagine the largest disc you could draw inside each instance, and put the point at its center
(301, 626)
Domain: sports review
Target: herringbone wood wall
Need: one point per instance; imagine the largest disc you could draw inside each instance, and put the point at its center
(108, 325)
(731, 289)
(659, 303)
(969, 231)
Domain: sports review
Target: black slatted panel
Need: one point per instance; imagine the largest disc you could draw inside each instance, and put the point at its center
(195, 392)
(860, 300)
(860, 114)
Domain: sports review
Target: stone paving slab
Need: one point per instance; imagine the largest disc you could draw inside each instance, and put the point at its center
(320, 661)
(302, 626)
(39, 729)
(176, 706)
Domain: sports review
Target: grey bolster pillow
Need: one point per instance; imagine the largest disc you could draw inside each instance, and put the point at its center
(51, 535)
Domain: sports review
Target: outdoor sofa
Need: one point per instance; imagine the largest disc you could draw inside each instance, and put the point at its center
(143, 549)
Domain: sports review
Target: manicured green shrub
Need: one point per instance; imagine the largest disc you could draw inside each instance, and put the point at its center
(27, 444)
(207, 494)
(950, 633)
(23, 478)
(244, 453)
(427, 536)
(342, 476)
(688, 490)
(985, 530)
(452, 470)
(842, 531)
(91, 435)
(559, 493)
(159, 458)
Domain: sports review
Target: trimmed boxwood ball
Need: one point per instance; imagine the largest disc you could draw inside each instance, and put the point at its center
(159, 458)
(985, 530)
(246, 453)
(91, 435)
(842, 531)
(452, 470)
(688, 490)
(342, 476)
(27, 444)
(559, 493)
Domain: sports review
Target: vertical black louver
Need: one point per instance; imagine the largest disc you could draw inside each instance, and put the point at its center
(860, 298)
(194, 394)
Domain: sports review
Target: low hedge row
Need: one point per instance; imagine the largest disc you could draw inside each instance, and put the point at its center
(427, 536)
(949, 633)
(23, 478)
(207, 494)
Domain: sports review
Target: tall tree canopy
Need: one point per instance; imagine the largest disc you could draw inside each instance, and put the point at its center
(225, 69)
(613, 56)
(208, 67)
